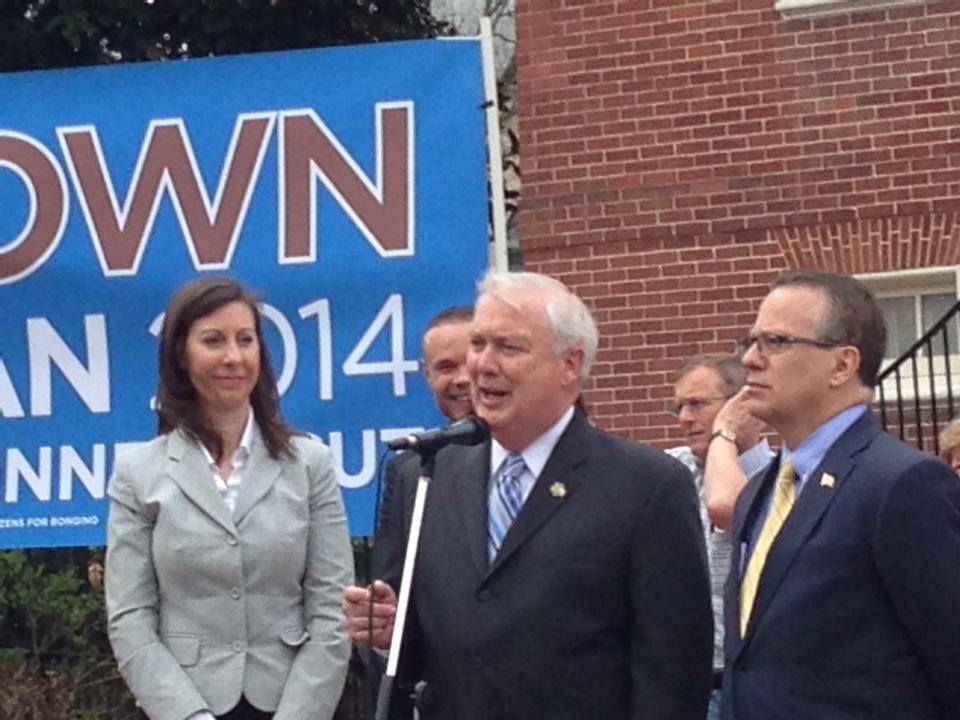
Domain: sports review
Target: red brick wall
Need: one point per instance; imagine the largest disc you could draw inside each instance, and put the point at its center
(678, 154)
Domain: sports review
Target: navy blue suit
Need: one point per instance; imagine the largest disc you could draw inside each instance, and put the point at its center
(596, 607)
(857, 613)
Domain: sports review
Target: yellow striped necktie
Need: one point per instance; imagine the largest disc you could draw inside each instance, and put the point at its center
(784, 494)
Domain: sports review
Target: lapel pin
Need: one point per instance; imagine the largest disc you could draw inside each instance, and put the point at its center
(827, 480)
(558, 490)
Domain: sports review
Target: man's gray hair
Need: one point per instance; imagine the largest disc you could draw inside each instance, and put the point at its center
(570, 320)
(733, 375)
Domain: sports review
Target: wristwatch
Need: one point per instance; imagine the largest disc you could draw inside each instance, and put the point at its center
(725, 434)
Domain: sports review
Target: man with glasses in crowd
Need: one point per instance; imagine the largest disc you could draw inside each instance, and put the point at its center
(724, 449)
(842, 601)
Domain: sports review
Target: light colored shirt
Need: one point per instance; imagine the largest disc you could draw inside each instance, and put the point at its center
(807, 457)
(720, 543)
(535, 455)
(229, 488)
(810, 453)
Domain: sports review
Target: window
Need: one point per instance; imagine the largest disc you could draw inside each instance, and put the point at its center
(909, 316)
(912, 302)
(815, 8)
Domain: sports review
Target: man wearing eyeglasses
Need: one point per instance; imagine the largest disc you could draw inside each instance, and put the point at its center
(845, 582)
(724, 449)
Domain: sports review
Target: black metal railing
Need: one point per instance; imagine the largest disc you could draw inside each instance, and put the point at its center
(922, 400)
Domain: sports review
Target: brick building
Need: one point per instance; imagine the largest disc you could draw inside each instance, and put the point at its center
(678, 154)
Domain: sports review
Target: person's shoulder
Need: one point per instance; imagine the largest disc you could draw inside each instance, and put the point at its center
(901, 485)
(621, 444)
(143, 454)
(309, 448)
(874, 450)
(635, 454)
(139, 466)
(891, 459)
(883, 473)
(637, 476)
(886, 446)
(405, 463)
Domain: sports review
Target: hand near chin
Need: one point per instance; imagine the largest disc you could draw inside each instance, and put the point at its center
(735, 417)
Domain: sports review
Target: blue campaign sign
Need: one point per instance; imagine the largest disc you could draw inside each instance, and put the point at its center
(347, 185)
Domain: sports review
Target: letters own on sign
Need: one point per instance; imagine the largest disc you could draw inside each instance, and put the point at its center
(347, 185)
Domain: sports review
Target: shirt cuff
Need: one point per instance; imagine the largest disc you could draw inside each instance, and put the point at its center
(756, 458)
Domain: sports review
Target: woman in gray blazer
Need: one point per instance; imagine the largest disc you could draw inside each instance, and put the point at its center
(227, 547)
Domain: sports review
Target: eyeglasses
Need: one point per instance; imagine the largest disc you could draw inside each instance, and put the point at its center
(773, 343)
(694, 405)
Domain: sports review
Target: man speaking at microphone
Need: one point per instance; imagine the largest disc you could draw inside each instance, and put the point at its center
(561, 570)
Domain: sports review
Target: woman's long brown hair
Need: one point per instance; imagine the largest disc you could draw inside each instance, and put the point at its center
(177, 403)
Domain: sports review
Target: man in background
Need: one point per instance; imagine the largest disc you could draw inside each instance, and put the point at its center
(444, 363)
(723, 451)
(846, 557)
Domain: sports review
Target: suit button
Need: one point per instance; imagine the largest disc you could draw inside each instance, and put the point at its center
(236, 594)
(484, 595)
(231, 540)
(238, 646)
(477, 662)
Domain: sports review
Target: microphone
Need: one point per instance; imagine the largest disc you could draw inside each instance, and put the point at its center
(469, 431)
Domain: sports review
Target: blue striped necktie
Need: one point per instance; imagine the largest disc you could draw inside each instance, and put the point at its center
(504, 501)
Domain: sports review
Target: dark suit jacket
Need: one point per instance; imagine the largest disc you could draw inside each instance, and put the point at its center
(400, 484)
(597, 606)
(386, 563)
(856, 613)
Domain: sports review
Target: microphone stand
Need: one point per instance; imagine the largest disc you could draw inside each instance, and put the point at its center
(406, 581)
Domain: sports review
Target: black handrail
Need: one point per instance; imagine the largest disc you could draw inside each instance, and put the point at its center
(928, 416)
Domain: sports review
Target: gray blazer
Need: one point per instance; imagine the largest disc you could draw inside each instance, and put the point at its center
(203, 607)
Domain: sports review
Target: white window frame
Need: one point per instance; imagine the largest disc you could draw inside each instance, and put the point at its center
(819, 8)
(906, 283)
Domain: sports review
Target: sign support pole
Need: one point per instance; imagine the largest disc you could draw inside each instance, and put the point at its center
(499, 258)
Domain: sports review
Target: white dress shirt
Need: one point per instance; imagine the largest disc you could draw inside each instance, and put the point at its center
(535, 455)
(229, 491)
(230, 487)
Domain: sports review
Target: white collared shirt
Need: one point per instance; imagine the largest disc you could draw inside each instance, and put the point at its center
(230, 488)
(535, 455)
